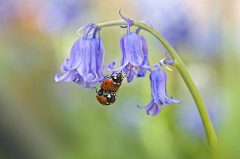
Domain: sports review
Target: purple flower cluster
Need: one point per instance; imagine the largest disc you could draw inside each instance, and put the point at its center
(85, 66)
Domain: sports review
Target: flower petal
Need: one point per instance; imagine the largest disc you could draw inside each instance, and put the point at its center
(142, 71)
(76, 53)
(156, 109)
(79, 80)
(168, 60)
(133, 48)
(83, 67)
(64, 67)
(124, 59)
(129, 21)
(158, 85)
(151, 108)
(92, 63)
(144, 45)
(148, 105)
(130, 76)
(67, 77)
(162, 63)
(172, 100)
(85, 27)
(99, 53)
(157, 65)
(110, 67)
(158, 80)
(85, 84)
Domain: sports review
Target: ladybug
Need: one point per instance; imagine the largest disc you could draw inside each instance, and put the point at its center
(113, 83)
(110, 86)
(118, 78)
(105, 98)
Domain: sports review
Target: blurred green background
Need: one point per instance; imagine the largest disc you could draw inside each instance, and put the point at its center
(43, 119)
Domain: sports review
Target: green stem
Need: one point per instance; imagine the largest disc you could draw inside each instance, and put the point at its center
(211, 136)
(111, 23)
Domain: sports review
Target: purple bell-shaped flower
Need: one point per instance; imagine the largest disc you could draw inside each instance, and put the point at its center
(135, 54)
(160, 97)
(85, 64)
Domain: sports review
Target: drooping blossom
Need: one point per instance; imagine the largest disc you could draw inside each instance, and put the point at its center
(85, 64)
(135, 54)
(160, 97)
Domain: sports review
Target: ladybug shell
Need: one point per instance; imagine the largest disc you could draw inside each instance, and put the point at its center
(109, 86)
(106, 98)
(102, 100)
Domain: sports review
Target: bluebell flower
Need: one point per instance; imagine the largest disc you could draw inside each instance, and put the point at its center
(135, 54)
(85, 64)
(160, 97)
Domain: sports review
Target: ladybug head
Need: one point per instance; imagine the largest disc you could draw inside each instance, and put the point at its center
(118, 78)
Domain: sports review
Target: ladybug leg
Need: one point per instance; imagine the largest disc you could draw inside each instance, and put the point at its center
(112, 74)
(110, 77)
(95, 88)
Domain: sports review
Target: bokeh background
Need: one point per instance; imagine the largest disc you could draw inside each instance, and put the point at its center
(42, 119)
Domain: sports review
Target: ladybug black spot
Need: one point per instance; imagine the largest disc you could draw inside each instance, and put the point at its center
(99, 98)
(105, 83)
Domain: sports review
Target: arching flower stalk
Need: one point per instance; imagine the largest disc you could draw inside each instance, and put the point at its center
(85, 67)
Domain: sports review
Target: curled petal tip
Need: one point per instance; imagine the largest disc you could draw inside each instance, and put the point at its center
(128, 20)
(165, 66)
(173, 100)
(168, 60)
(85, 27)
(139, 106)
(56, 77)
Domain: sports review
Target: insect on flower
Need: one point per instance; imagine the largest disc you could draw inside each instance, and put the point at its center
(85, 66)
(112, 83)
(135, 54)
